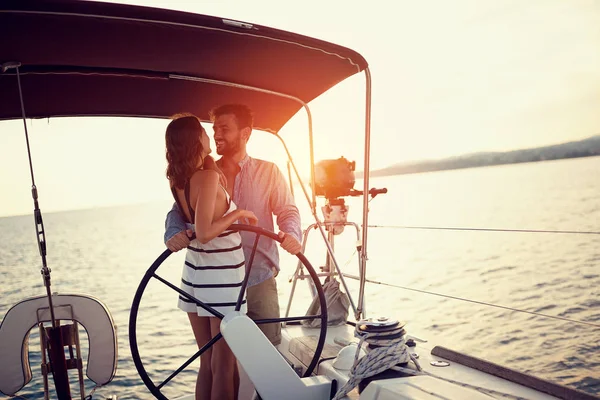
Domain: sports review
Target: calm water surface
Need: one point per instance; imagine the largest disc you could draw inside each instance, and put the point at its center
(104, 252)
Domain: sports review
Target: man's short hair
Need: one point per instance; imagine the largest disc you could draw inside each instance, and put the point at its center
(243, 114)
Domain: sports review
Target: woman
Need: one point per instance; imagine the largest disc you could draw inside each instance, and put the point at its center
(214, 265)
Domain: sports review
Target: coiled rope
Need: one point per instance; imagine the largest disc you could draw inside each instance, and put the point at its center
(387, 355)
(390, 353)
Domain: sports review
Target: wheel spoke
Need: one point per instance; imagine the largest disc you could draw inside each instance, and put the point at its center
(238, 304)
(191, 360)
(151, 273)
(189, 297)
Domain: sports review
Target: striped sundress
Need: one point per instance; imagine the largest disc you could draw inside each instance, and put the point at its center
(213, 272)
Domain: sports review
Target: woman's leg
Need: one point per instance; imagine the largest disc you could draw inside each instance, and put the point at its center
(224, 367)
(201, 328)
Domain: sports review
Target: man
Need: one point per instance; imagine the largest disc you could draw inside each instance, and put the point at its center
(260, 187)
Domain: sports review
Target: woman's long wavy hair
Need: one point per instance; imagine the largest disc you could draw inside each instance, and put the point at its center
(183, 148)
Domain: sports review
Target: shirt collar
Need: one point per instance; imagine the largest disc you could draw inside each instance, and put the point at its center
(241, 164)
(244, 161)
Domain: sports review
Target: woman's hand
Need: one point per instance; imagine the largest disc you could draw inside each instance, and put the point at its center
(248, 217)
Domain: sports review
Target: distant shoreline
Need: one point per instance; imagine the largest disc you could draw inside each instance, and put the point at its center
(578, 149)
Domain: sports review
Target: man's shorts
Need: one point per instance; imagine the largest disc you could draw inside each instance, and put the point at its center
(263, 303)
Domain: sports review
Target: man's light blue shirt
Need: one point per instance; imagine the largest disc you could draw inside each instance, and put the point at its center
(261, 188)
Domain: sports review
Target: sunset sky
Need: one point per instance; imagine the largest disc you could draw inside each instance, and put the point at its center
(448, 78)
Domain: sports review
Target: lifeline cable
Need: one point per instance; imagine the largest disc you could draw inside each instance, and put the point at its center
(485, 229)
(485, 304)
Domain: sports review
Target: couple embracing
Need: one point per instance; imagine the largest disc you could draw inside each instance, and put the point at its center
(212, 196)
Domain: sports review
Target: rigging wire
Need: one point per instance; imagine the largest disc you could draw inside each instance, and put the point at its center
(37, 213)
(484, 303)
(484, 229)
(468, 300)
(25, 128)
(480, 302)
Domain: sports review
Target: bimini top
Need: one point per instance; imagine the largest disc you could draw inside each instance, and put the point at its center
(90, 58)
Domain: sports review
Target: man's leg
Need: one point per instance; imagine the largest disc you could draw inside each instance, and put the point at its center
(263, 303)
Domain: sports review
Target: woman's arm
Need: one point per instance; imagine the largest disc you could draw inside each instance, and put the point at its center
(207, 228)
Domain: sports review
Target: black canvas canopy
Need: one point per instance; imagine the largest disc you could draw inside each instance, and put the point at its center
(90, 59)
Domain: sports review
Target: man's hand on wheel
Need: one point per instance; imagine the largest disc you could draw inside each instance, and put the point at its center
(290, 243)
(180, 240)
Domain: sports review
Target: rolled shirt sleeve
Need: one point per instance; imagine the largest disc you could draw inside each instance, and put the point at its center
(261, 187)
(283, 206)
(174, 223)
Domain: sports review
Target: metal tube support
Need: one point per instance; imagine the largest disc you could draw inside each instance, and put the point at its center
(299, 272)
(45, 364)
(289, 170)
(311, 201)
(319, 225)
(337, 267)
(331, 239)
(313, 204)
(362, 306)
(75, 328)
(366, 169)
(294, 282)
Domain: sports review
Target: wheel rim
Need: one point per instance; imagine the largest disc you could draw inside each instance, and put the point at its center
(151, 273)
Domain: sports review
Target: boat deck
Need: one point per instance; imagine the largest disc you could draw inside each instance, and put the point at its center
(295, 347)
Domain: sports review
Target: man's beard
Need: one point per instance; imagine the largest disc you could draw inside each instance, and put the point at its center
(229, 148)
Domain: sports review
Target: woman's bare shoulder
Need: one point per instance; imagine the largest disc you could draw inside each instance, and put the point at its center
(205, 177)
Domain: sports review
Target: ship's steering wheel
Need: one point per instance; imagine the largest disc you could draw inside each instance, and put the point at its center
(151, 273)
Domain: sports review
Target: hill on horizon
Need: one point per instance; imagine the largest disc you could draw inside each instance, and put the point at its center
(580, 148)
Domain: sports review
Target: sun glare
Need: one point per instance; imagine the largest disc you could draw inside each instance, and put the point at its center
(447, 80)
